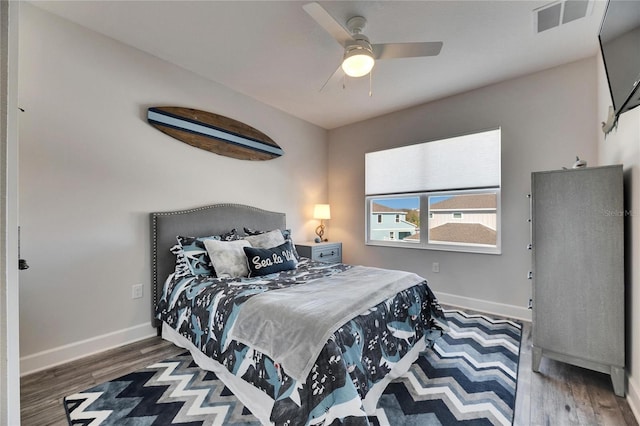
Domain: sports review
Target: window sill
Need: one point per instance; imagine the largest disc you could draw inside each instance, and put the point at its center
(437, 247)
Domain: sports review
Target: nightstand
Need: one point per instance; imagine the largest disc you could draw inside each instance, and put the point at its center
(329, 252)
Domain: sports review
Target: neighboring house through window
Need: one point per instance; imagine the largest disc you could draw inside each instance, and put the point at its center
(478, 224)
(392, 223)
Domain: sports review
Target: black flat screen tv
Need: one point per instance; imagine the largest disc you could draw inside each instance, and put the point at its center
(620, 46)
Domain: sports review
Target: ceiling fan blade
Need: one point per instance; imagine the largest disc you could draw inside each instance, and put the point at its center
(406, 50)
(338, 73)
(326, 21)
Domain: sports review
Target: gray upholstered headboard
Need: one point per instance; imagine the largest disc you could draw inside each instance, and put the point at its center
(197, 222)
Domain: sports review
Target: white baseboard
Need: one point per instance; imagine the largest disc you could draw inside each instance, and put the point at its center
(510, 311)
(633, 398)
(51, 357)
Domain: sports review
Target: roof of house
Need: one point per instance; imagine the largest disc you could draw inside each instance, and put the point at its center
(412, 237)
(379, 208)
(460, 202)
(473, 233)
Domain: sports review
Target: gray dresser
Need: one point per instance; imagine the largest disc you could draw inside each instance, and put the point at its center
(577, 242)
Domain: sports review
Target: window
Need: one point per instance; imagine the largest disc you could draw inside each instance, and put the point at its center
(444, 196)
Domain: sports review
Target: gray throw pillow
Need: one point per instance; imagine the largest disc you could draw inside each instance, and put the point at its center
(266, 240)
(228, 257)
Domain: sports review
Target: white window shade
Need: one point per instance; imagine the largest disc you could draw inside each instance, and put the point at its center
(470, 161)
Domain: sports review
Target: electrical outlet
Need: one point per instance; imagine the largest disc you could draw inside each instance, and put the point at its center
(435, 267)
(136, 291)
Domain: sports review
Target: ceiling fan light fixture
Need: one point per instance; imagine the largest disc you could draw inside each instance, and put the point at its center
(358, 61)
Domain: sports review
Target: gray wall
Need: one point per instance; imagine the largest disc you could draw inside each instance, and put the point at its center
(622, 146)
(91, 169)
(547, 119)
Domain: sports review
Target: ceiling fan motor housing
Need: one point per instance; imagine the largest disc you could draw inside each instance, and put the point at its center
(356, 24)
(360, 42)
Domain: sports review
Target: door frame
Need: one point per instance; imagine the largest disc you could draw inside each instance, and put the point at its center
(9, 306)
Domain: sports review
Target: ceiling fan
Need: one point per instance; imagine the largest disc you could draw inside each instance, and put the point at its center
(359, 54)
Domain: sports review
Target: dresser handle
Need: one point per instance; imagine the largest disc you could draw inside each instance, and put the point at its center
(529, 246)
(529, 275)
(332, 253)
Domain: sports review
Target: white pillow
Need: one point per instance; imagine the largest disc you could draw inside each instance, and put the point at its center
(228, 258)
(266, 240)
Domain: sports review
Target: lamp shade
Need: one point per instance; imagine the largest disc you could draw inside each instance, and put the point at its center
(322, 211)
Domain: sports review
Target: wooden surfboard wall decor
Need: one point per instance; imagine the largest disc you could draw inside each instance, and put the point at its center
(213, 133)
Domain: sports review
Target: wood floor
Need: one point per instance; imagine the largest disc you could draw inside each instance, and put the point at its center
(559, 395)
(41, 393)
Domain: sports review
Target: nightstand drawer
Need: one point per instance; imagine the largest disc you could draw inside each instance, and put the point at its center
(328, 252)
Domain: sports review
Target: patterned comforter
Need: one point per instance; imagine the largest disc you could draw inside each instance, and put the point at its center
(356, 357)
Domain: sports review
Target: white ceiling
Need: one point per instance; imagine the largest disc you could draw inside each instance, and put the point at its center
(275, 52)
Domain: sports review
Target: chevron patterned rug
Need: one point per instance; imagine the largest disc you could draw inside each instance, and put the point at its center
(468, 378)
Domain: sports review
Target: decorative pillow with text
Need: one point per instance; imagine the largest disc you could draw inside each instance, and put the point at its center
(265, 261)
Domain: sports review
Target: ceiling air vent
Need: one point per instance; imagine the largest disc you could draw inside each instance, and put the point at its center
(560, 12)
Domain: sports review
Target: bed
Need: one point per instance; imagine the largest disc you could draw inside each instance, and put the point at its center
(298, 342)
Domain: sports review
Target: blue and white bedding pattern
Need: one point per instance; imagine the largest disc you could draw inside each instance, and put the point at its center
(356, 357)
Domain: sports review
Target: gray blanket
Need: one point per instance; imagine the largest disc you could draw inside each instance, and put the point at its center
(292, 325)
